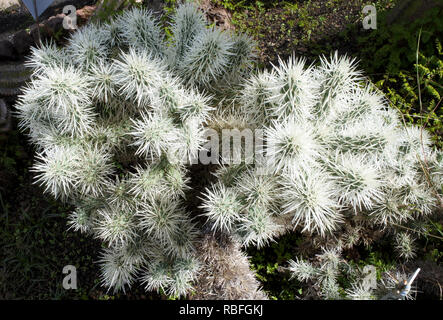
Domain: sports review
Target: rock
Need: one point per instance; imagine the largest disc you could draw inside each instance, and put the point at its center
(84, 14)
(22, 42)
(7, 50)
(54, 24)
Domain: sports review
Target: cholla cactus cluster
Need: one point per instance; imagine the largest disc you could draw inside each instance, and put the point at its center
(116, 115)
(333, 153)
(324, 271)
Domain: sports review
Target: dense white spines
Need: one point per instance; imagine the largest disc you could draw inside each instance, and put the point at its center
(94, 172)
(311, 199)
(404, 244)
(256, 97)
(174, 279)
(82, 218)
(116, 117)
(115, 225)
(157, 277)
(117, 114)
(291, 145)
(208, 58)
(257, 190)
(88, 46)
(161, 217)
(435, 165)
(64, 92)
(136, 74)
(47, 55)
(117, 272)
(153, 135)
(358, 180)
(334, 150)
(243, 49)
(323, 273)
(359, 291)
(302, 270)
(140, 29)
(188, 23)
(103, 82)
(292, 90)
(194, 107)
(184, 272)
(222, 207)
(257, 227)
(56, 170)
(337, 74)
(146, 182)
(79, 220)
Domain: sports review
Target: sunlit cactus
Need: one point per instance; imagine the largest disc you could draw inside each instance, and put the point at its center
(334, 151)
(323, 272)
(116, 116)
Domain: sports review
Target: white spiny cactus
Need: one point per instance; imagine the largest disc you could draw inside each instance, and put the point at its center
(45, 56)
(89, 45)
(209, 58)
(116, 116)
(188, 23)
(302, 270)
(404, 244)
(222, 207)
(139, 28)
(119, 113)
(323, 272)
(334, 148)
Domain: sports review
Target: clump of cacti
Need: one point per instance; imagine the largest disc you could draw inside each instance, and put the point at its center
(333, 150)
(116, 116)
(119, 113)
(325, 273)
(335, 162)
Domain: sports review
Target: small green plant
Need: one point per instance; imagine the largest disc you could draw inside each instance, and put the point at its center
(402, 91)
